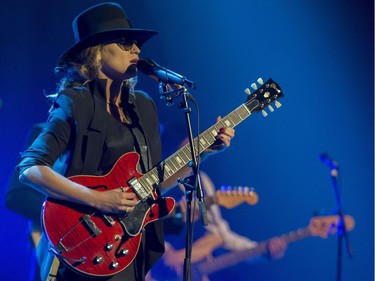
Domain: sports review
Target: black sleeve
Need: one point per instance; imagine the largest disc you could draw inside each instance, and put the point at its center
(21, 198)
(52, 140)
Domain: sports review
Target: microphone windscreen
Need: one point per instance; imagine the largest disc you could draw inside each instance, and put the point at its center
(146, 66)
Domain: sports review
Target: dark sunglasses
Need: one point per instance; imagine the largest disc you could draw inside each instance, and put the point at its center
(125, 45)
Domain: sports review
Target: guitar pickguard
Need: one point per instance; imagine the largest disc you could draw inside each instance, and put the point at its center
(147, 211)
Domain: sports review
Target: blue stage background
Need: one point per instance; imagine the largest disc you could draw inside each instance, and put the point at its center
(320, 52)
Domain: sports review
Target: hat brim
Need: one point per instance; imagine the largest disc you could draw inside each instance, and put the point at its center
(139, 35)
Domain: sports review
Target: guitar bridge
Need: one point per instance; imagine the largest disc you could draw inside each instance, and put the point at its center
(91, 225)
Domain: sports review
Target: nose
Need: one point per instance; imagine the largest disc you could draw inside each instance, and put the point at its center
(135, 49)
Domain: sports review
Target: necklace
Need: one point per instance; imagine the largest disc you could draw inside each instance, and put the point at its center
(121, 115)
(115, 105)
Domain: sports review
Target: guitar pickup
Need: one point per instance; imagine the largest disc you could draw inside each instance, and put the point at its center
(91, 225)
(139, 190)
(108, 220)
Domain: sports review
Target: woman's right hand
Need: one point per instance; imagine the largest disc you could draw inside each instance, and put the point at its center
(115, 201)
(47, 181)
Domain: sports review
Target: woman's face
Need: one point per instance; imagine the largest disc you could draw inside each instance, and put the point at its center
(119, 61)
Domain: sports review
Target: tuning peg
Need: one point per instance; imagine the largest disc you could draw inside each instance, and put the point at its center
(247, 91)
(254, 86)
(246, 190)
(277, 104)
(271, 108)
(260, 81)
(264, 113)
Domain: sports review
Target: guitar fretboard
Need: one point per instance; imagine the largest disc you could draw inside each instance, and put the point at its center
(182, 157)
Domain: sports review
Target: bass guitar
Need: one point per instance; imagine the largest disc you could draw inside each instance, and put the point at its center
(96, 244)
(203, 263)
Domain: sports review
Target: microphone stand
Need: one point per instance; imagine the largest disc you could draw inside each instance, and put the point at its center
(192, 183)
(341, 228)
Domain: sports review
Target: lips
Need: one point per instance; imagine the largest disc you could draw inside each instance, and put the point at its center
(135, 61)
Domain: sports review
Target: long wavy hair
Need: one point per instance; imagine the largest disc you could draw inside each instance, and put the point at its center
(83, 68)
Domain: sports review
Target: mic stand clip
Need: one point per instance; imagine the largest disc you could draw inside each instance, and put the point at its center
(168, 95)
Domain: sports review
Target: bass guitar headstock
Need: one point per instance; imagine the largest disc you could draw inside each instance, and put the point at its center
(327, 225)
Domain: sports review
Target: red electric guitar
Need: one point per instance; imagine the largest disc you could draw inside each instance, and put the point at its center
(97, 244)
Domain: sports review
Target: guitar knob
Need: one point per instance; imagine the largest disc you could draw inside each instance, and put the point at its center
(114, 265)
(108, 247)
(124, 252)
(117, 237)
(98, 259)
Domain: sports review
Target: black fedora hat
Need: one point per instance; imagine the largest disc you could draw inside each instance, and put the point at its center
(100, 24)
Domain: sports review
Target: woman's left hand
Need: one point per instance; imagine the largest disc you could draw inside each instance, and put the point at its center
(224, 137)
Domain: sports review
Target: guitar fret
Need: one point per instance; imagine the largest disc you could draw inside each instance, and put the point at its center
(183, 156)
(196, 146)
(208, 136)
(188, 151)
(167, 169)
(154, 177)
(150, 184)
(179, 160)
(228, 123)
(244, 111)
(213, 132)
(204, 142)
(174, 162)
(172, 167)
(235, 118)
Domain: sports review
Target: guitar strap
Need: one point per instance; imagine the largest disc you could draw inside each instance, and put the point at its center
(141, 148)
(140, 135)
(52, 275)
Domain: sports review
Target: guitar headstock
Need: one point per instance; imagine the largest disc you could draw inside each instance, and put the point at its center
(229, 197)
(327, 225)
(265, 94)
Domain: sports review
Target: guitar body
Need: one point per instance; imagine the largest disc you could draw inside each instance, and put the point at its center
(97, 244)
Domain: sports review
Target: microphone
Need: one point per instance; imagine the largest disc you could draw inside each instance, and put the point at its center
(162, 74)
(332, 164)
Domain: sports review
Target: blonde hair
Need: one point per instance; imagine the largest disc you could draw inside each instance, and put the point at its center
(80, 69)
(83, 68)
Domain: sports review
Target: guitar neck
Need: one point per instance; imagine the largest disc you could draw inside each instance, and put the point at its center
(226, 260)
(183, 156)
(267, 93)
